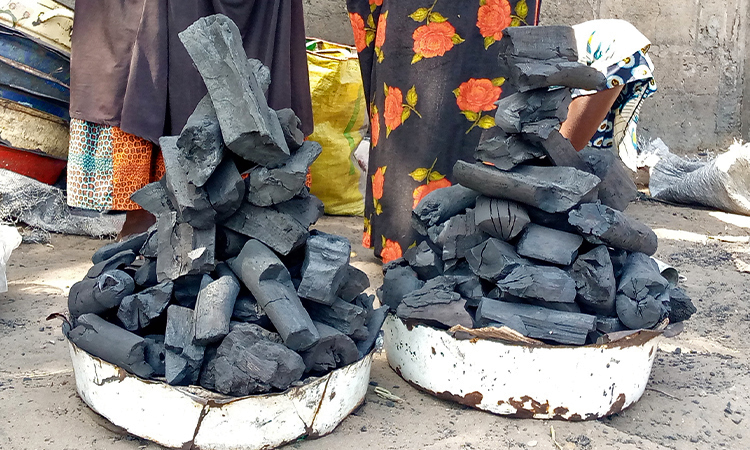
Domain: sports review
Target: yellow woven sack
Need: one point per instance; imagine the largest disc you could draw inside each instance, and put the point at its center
(339, 111)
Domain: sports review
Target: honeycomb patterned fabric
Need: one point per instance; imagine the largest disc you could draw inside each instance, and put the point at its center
(106, 165)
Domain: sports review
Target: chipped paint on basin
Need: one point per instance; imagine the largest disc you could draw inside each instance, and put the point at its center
(193, 418)
(544, 382)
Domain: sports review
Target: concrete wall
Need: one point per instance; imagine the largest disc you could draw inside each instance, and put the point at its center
(699, 50)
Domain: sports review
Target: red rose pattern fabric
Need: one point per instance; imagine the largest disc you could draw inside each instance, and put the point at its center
(430, 77)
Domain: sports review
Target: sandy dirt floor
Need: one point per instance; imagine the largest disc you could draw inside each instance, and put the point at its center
(697, 397)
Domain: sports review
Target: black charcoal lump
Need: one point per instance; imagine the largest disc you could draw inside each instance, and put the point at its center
(291, 126)
(355, 282)
(200, 143)
(183, 358)
(398, 281)
(153, 198)
(617, 189)
(138, 310)
(442, 204)
(520, 108)
(249, 127)
(266, 187)
(552, 189)
(550, 245)
(225, 189)
(270, 283)
(436, 304)
(505, 151)
(111, 343)
(132, 243)
(500, 218)
(183, 249)
(189, 200)
(100, 294)
(246, 363)
(458, 235)
(494, 259)
(595, 280)
(334, 350)
(215, 305)
(547, 284)
(325, 267)
(600, 224)
(424, 261)
(280, 231)
(642, 293)
(346, 317)
(537, 322)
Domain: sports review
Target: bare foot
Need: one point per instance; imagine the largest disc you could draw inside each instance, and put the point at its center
(136, 221)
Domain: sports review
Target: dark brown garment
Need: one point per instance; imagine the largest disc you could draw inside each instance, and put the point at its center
(129, 69)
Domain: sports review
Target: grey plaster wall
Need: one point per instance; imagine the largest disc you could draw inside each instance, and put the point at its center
(699, 49)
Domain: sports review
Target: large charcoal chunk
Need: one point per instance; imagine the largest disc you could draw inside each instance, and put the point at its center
(118, 261)
(398, 282)
(247, 363)
(229, 243)
(266, 187)
(277, 230)
(270, 283)
(155, 353)
(595, 281)
(641, 293)
(133, 243)
(436, 304)
(558, 221)
(190, 201)
(424, 261)
(680, 305)
(364, 301)
(291, 126)
(145, 276)
(248, 310)
(225, 189)
(183, 358)
(248, 126)
(541, 42)
(150, 247)
(324, 268)
(532, 106)
(552, 189)
(200, 142)
(261, 72)
(138, 310)
(458, 235)
(550, 245)
(100, 294)
(374, 322)
(527, 74)
(617, 189)
(505, 151)
(153, 198)
(333, 350)
(111, 343)
(557, 147)
(355, 282)
(215, 305)
(305, 209)
(183, 250)
(346, 317)
(500, 218)
(494, 259)
(544, 283)
(442, 204)
(600, 224)
(537, 322)
(186, 290)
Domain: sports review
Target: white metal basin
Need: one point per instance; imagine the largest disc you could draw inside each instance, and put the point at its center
(542, 382)
(193, 418)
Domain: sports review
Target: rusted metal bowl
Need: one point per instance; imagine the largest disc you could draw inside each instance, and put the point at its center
(188, 418)
(521, 380)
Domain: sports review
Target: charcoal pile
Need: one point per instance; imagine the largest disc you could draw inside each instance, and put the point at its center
(533, 237)
(230, 289)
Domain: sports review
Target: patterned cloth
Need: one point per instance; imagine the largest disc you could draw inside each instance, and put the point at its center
(618, 50)
(106, 165)
(431, 82)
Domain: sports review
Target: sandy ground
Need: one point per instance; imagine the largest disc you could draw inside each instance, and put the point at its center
(697, 396)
